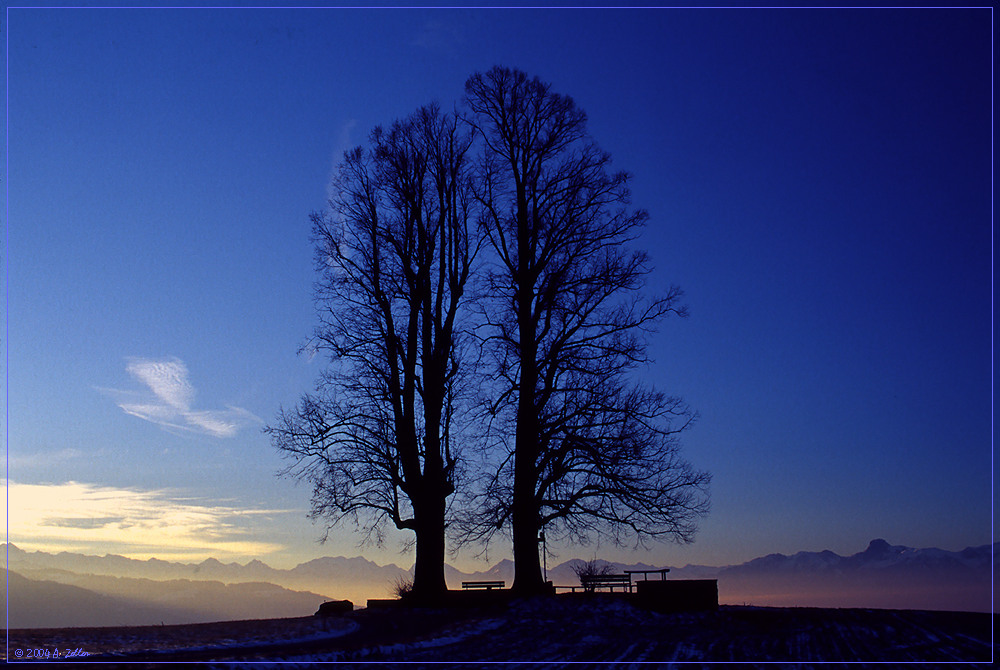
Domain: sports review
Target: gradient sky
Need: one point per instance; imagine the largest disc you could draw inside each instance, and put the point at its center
(819, 183)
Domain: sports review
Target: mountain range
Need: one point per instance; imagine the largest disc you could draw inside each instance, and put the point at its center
(882, 576)
(100, 600)
(68, 589)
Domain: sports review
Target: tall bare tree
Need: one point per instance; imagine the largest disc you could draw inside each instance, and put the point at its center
(394, 254)
(592, 451)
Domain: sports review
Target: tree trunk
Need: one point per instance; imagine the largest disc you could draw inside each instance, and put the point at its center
(527, 568)
(524, 512)
(428, 570)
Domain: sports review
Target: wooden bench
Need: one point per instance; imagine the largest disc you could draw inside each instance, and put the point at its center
(594, 582)
(484, 585)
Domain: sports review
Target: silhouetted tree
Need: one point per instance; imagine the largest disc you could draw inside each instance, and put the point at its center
(592, 451)
(394, 254)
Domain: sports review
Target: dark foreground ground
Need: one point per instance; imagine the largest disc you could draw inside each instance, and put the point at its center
(593, 629)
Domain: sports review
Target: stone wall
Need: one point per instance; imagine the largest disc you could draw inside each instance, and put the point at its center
(678, 595)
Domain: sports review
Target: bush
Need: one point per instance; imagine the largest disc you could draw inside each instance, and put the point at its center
(402, 586)
(592, 568)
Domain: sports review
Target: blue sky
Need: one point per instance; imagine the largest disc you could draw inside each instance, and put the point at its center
(819, 183)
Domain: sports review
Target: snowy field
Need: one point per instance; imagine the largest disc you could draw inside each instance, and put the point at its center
(598, 629)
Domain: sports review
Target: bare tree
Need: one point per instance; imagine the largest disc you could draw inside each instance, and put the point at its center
(591, 568)
(592, 451)
(394, 254)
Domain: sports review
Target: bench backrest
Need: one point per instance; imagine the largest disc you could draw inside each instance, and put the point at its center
(605, 579)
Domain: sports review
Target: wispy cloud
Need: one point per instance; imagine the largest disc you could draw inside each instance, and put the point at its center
(172, 400)
(167, 379)
(91, 518)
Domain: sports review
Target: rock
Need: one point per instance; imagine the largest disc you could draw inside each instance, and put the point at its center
(334, 608)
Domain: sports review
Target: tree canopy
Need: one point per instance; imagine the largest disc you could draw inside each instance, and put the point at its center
(512, 199)
(394, 253)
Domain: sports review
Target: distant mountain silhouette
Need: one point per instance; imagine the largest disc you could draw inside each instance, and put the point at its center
(119, 601)
(355, 579)
(880, 556)
(881, 576)
(47, 604)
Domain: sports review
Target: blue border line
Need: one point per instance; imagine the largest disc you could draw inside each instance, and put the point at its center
(993, 498)
(461, 6)
(6, 334)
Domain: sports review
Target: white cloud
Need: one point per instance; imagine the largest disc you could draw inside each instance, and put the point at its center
(212, 423)
(171, 404)
(167, 379)
(91, 518)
